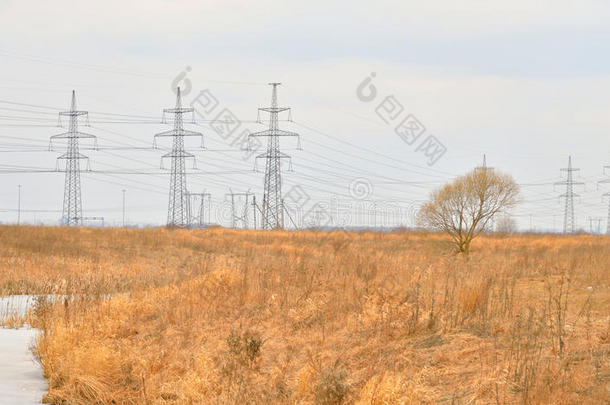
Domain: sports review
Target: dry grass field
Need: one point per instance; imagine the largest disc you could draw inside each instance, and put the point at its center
(163, 316)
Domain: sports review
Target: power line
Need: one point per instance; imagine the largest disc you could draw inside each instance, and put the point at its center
(19, 204)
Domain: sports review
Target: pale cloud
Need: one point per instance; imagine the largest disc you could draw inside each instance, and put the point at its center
(445, 19)
(523, 81)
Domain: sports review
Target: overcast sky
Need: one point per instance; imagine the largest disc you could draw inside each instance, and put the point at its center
(524, 82)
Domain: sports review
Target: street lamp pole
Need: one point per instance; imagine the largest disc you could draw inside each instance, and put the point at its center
(124, 207)
(19, 204)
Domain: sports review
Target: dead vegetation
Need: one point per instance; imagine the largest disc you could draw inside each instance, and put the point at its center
(225, 317)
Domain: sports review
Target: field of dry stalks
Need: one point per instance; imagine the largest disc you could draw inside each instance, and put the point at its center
(243, 317)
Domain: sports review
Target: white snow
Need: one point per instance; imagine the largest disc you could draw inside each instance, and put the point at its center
(21, 378)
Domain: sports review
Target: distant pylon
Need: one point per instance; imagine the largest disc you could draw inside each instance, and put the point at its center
(197, 218)
(568, 215)
(607, 195)
(484, 168)
(72, 211)
(273, 209)
(484, 165)
(244, 217)
(177, 210)
(608, 217)
(595, 229)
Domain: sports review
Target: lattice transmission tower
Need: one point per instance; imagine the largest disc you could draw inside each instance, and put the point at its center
(178, 207)
(72, 211)
(568, 214)
(273, 207)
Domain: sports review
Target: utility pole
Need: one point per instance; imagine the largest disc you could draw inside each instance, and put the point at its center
(124, 207)
(283, 208)
(374, 215)
(72, 211)
(177, 210)
(254, 207)
(608, 217)
(318, 218)
(272, 197)
(484, 168)
(232, 211)
(19, 204)
(201, 209)
(607, 195)
(568, 214)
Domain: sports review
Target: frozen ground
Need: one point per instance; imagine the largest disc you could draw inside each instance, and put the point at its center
(21, 379)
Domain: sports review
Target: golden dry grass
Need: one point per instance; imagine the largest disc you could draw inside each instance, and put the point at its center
(245, 317)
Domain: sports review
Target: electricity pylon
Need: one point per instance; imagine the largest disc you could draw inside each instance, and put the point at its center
(484, 166)
(244, 217)
(197, 218)
(568, 215)
(596, 229)
(177, 210)
(273, 208)
(486, 169)
(72, 211)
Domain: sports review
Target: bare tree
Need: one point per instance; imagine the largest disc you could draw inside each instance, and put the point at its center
(464, 207)
(506, 224)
